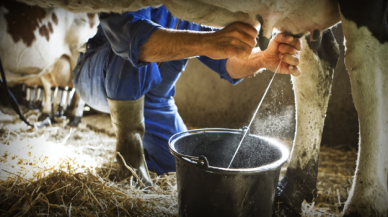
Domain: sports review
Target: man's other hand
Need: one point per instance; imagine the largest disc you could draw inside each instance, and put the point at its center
(235, 40)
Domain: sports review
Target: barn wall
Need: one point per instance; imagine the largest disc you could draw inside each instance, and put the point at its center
(204, 100)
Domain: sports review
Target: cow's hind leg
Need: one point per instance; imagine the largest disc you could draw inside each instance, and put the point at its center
(367, 62)
(46, 109)
(76, 110)
(312, 91)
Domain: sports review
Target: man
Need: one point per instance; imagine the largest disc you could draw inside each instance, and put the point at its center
(133, 62)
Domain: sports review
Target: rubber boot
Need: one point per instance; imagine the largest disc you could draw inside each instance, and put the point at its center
(128, 122)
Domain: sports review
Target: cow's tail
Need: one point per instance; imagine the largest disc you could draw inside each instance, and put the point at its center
(12, 100)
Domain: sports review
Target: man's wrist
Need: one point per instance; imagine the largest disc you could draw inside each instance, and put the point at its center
(259, 60)
(201, 40)
(238, 68)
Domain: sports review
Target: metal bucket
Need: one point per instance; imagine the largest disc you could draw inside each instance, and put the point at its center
(206, 187)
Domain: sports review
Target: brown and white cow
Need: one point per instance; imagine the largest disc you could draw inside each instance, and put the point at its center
(39, 47)
(366, 33)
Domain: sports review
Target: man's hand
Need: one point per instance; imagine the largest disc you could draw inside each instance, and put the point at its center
(281, 48)
(286, 49)
(235, 40)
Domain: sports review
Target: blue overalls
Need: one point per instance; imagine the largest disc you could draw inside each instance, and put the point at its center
(110, 68)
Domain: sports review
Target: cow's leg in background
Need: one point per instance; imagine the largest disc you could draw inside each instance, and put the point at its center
(312, 90)
(61, 102)
(76, 110)
(367, 62)
(46, 109)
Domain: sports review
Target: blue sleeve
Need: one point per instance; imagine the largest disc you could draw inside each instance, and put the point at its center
(127, 33)
(219, 67)
(207, 28)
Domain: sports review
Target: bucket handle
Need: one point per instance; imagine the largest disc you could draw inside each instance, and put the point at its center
(200, 160)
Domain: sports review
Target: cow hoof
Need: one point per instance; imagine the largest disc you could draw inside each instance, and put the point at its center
(74, 121)
(285, 205)
(364, 211)
(296, 186)
(368, 199)
(44, 116)
(353, 214)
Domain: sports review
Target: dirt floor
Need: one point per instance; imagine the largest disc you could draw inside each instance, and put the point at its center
(58, 170)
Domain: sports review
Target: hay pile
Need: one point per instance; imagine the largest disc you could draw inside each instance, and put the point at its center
(335, 174)
(86, 194)
(42, 177)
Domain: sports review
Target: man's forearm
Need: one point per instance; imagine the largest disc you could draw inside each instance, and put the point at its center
(237, 40)
(166, 45)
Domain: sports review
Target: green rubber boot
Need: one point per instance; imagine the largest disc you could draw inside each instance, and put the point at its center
(128, 121)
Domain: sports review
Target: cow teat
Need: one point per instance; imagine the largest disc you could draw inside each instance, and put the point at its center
(262, 41)
(315, 39)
